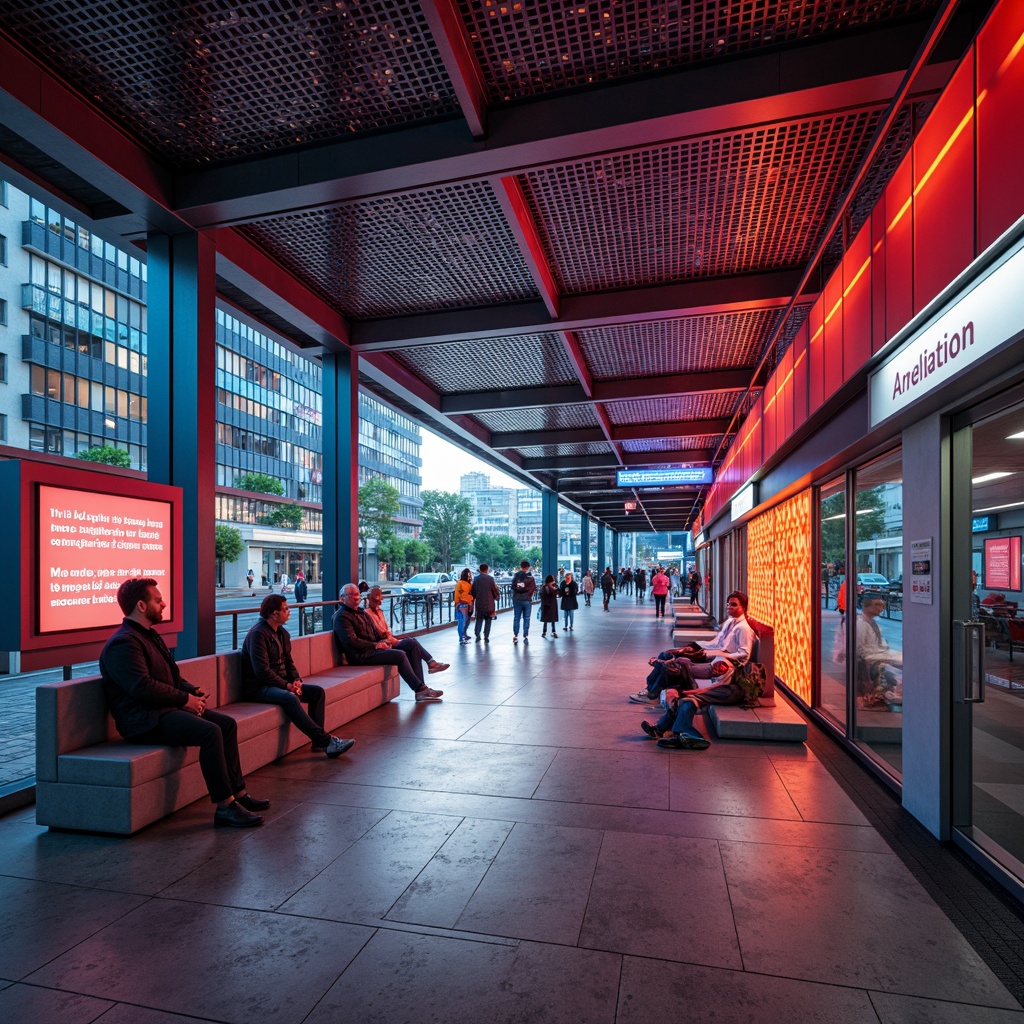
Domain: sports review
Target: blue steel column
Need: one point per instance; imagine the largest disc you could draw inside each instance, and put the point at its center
(602, 562)
(549, 532)
(181, 429)
(584, 544)
(341, 471)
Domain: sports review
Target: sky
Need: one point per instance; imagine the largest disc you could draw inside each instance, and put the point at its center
(444, 464)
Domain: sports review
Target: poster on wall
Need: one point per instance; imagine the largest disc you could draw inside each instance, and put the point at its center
(1002, 563)
(921, 571)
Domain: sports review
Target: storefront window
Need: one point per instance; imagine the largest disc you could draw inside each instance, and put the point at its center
(832, 624)
(877, 665)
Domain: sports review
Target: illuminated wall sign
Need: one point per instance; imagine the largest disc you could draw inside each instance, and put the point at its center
(983, 524)
(1002, 563)
(744, 501)
(976, 324)
(630, 506)
(666, 477)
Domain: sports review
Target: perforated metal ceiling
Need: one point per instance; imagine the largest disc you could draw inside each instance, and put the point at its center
(476, 237)
(203, 81)
(530, 360)
(714, 206)
(528, 48)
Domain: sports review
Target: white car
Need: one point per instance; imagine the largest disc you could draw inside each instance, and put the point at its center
(424, 583)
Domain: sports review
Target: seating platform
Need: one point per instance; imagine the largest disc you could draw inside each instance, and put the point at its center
(776, 723)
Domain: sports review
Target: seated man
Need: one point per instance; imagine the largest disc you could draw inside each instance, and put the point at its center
(877, 687)
(269, 676)
(412, 647)
(734, 642)
(675, 729)
(363, 645)
(151, 703)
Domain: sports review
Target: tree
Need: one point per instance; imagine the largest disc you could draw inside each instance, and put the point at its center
(416, 554)
(391, 551)
(107, 454)
(259, 482)
(501, 552)
(870, 522)
(447, 525)
(378, 506)
(228, 544)
(288, 516)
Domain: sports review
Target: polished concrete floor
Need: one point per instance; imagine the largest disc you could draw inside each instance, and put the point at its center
(519, 852)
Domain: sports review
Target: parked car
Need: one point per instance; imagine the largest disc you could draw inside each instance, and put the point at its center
(424, 583)
(872, 581)
(896, 585)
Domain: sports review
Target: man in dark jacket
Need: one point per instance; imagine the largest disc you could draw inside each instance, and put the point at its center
(269, 676)
(607, 586)
(523, 588)
(301, 590)
(362, 644)
(151, 703)
(485, 602)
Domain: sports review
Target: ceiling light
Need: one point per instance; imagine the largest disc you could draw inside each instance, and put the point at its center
(996, 508)
(989, 476)
(1019, 436)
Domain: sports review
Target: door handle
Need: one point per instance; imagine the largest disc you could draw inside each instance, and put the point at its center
(968, 661)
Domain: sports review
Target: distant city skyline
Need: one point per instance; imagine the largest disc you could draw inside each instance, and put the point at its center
(444, 464)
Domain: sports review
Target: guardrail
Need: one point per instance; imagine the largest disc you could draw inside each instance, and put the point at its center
(406, 613)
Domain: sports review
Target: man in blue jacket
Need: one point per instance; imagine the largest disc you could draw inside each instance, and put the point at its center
(151, 703)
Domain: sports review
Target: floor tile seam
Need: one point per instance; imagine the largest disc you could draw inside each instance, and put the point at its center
(940, 870)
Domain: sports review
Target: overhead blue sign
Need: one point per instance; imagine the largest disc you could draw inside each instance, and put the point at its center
(663, 477)
(982, 524)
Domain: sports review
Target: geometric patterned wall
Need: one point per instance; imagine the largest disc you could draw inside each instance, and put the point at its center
(779, 583)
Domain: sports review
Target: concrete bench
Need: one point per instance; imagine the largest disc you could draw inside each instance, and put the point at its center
(778, 722)
(88, 778)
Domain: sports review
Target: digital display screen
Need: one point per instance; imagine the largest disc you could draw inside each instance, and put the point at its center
(1002, 563)
(664, 477)
(89, 543)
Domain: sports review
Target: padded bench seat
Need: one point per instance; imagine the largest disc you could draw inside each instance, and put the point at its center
(88, 778)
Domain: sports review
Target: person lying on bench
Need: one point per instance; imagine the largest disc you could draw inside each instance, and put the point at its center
(734, 642)
(269, 676)
(152, 703)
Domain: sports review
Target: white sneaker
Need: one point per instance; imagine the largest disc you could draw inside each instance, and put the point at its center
(428, 694)
(642, 697)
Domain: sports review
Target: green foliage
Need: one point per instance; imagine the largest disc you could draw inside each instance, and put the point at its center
(535, 555)
(228, 543)
(288, 516)
(870, 522)
(378, 506)
(107, 454)
(392, 551)
(259, 482)
(447, 525)
(500, 552)
(417, 556)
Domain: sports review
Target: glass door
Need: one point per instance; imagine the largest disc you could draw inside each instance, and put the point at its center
(988, 656)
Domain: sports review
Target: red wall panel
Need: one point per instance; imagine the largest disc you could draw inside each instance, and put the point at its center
(944, 188)
(833, 308)
(857, 303)
(785, 372)
(879, 334)
(899, 245)
(800, 376)
(816, 357)
(1000, 70)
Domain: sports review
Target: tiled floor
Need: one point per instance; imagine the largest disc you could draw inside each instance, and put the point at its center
(517, 853)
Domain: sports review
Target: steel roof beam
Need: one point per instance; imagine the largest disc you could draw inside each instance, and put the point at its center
(534, 438)
(860, 70)
(670, 386)
(569, 462)
(449, 32)
(769, 290)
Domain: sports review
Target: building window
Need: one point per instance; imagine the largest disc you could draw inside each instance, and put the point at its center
(3, 311)
(3, 367)
(3, 250)
(3, 427)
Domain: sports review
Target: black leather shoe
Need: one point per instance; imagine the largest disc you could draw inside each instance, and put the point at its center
(252, 803)
(236, 816)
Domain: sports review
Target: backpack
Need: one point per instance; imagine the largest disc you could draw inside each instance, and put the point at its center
(751, 679)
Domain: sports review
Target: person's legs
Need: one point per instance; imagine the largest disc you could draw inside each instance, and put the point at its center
(683, 725)
(312, 724)
(487, 627)
(460, 624)
(216, 737)
(520, 616)
(411, 674)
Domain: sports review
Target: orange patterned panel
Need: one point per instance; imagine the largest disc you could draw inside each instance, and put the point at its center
(779, 583)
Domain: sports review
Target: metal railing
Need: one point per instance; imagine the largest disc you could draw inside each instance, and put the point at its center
(406, 614)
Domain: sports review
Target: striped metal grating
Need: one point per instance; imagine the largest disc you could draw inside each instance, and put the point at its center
(549, 417)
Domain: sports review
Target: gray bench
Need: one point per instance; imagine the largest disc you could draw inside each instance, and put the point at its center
(88, 778)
